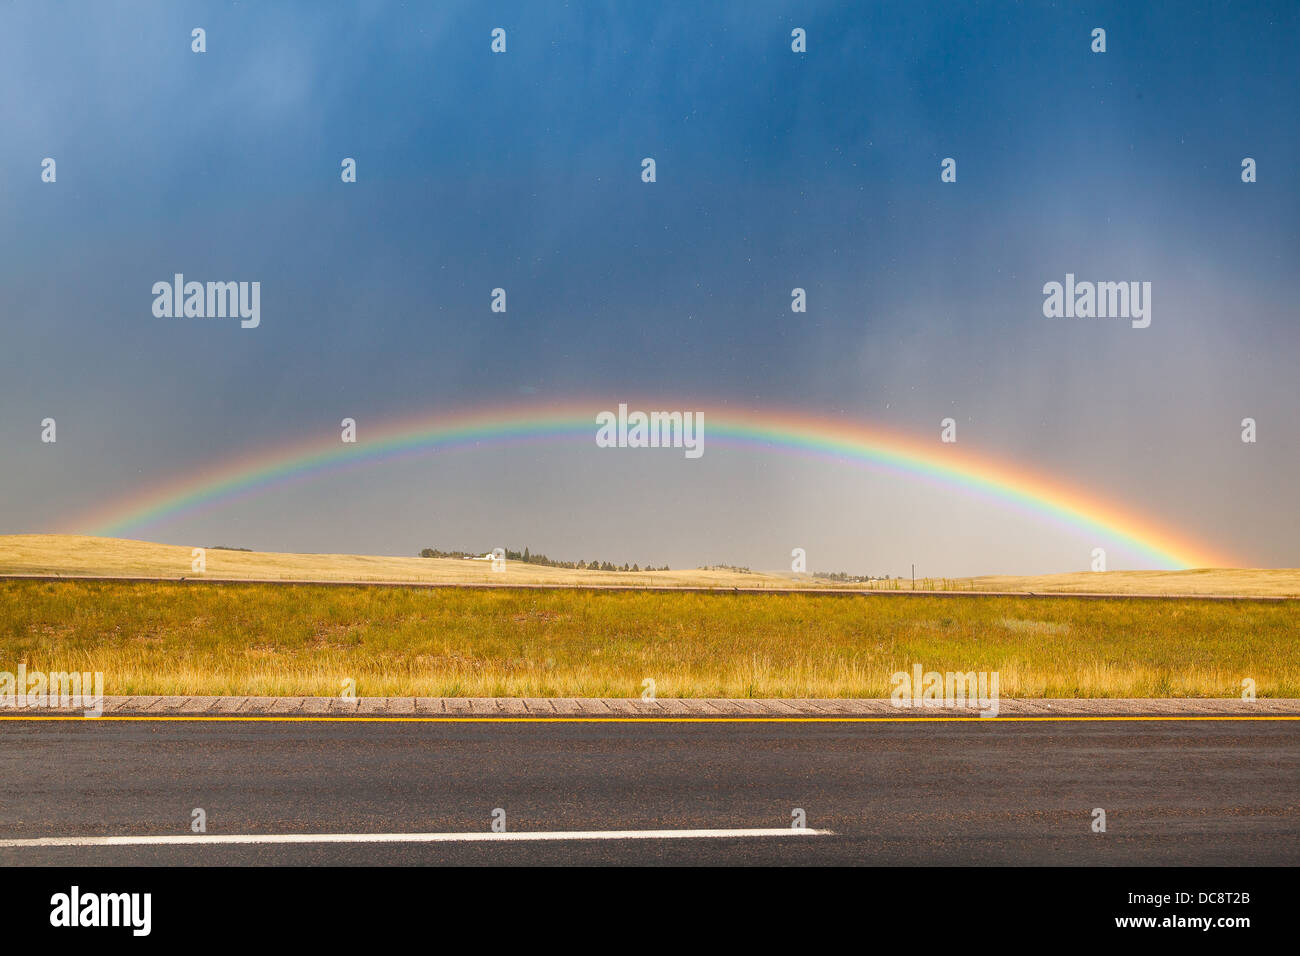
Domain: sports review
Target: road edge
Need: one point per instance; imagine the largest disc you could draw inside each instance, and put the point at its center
(608, 707)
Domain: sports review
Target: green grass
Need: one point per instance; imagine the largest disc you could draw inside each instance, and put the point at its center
(195, 639)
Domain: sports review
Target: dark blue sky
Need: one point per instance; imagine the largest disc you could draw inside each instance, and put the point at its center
(775, 170)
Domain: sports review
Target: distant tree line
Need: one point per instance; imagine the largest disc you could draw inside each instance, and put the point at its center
(527, 557)
(841, 576)
(846, 578)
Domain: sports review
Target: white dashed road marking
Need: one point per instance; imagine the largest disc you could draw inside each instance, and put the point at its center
(198, 839)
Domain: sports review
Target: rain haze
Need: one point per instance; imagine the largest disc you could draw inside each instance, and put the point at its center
(774, 170)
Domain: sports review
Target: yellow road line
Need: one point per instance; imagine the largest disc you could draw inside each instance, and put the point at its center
(343, 718)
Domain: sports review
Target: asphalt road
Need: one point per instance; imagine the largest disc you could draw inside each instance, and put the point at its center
(969, 792)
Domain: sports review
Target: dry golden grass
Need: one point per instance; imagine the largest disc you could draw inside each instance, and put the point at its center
(305, 640)
(80, 555)
(1253, 582)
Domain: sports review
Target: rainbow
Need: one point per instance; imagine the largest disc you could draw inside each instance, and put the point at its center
(1007, 484)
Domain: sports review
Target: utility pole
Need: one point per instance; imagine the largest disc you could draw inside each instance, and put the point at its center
(913, 575)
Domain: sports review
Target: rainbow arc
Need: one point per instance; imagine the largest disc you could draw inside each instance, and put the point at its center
(1009, 484)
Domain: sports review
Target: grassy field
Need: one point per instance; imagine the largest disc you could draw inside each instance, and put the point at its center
(80, 555)
(201, 638)
(1255, 582)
